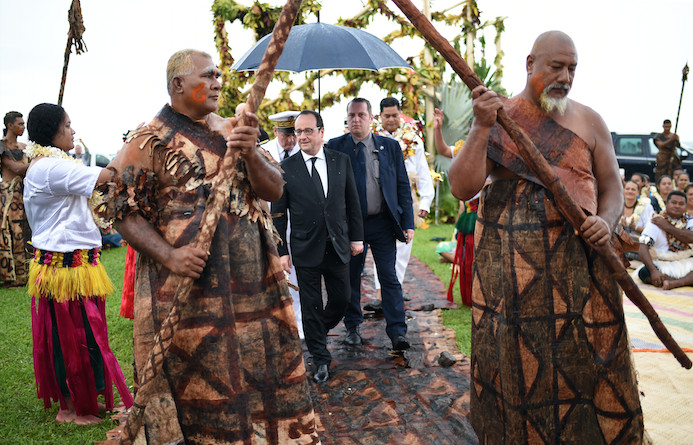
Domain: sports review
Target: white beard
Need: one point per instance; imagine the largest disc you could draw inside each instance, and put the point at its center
(549, 104)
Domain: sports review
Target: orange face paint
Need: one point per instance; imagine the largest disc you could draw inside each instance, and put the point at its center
(538, 83)
(197, 94)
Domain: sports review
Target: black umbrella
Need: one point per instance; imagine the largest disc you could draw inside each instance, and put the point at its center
(320, 46)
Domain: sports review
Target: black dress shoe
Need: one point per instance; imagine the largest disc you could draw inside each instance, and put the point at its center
(401, 343)
(322, 375)
(353, 338)
(374, 306)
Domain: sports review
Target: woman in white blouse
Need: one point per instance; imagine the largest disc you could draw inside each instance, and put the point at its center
(73, 362)
(637, 210)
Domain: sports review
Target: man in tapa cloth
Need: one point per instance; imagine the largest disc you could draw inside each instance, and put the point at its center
(665, 246)
(15, 232)
(550, 358)
(234, 372)
(667, 158)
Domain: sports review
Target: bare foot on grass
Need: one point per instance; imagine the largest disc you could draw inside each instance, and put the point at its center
(87, 420)
(65, 416)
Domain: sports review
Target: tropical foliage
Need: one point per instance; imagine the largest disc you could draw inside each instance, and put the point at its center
(455, 100)
(413, 85)
(430, 77)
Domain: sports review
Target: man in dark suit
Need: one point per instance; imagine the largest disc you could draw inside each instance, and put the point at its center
(386, 206)
(326, 230)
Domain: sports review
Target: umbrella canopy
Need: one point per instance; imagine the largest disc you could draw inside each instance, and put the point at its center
(320, 46)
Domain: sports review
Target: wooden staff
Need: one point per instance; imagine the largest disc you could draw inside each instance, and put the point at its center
(74, 37)
(151, 373)
(683, 84)
(542, 170)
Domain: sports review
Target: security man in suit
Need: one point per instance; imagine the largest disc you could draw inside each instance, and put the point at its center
(386, 205)
(326, 230)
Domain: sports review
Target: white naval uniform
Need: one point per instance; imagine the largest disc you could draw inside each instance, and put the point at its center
(277, 151)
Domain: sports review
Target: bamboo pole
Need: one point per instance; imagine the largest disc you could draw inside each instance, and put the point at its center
(151, 372)
(542, 170)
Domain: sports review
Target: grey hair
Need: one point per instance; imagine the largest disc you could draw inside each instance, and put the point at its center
(181, 64)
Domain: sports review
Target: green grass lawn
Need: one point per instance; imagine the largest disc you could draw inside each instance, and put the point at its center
(22, 417)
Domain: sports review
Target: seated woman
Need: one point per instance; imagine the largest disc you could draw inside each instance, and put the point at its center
(689, 199)
(73, 362)
(664, 186)
(682, 181)
(637, 210)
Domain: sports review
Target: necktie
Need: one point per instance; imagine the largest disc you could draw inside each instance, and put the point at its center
(360, 176)
(286, 154)
(316, 180)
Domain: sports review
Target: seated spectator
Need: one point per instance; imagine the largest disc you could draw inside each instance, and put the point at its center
(677, 172)
(664, 186)
(665, 248)
(110, 238)
(689, 198)
(639, 180)
(637, 210)
(446, 250)
(682, 181)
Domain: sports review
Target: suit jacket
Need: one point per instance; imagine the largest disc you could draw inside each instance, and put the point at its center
(394, 181)
(312, 222)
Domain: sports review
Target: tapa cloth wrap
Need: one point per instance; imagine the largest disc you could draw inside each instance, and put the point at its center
(235, 370)
(14, 234)
(551, 360)
(573, 166)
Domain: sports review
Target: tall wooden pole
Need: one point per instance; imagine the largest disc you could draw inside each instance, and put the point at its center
(74, 37)
(542, 170)
(683, 84)
(430, 93)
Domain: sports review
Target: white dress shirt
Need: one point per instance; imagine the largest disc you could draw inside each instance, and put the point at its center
(56, 194)
(320, 166)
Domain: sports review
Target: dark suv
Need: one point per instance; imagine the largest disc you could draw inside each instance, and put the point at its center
(638, 153)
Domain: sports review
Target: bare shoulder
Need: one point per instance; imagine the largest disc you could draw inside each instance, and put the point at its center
(588, 124)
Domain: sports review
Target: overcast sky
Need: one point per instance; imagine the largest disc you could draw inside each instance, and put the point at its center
(631, 53)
